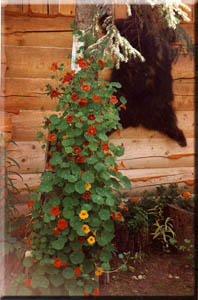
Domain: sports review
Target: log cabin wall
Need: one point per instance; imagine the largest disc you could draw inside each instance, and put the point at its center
(35, 36)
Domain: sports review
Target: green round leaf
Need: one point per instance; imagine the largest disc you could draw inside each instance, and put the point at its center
(77, 257)
(80, 187)
(88, 177)
(68, 273)
(104, 214)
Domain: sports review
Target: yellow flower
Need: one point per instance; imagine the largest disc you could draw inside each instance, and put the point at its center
(83, 214)
(99, 271)
(88, 186)
(86, 228)
(91, 240)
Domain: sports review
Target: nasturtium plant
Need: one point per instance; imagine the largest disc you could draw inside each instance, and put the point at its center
(73, 226)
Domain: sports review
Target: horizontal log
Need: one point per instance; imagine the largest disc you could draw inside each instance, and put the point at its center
(29, 94)
(27, 123)
(185, 122)
(33, 24)
(14, 7)
(34, 62)
(148, 179)
(155, 153)
(66, 9)
(184, 68)
(47, 39)
(29, 155)
(40, 8)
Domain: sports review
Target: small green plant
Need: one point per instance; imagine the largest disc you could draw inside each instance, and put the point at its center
(187, 247)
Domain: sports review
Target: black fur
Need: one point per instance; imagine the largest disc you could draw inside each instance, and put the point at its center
(147, 86)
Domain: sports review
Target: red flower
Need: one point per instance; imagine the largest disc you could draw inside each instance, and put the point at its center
(58, 263)
(47, 122)
(82, 64)
(30, 204)
(74, 97)
(122, 165)
(56, 231)
(85, 87)
(64, 264)
(77, 270)
(101, 63)
(55, 210)
(105, 146)
(123, 106)
(86, 295)
(86, 195)
(92, 130)
(62, 224)
(48, 166)
(69, 118)
(81, 239)
(52, 137)
(113, 99)
(69, 155)
(28, 282)
(86, 143)
(77, 150)
(51, 153)
(113, 215)
(68, 77)
(119, 216)
(80, 59)
(54, 66)
(80, 159)
(29, 241)
(115, 169)
(107, 154)
(91, 117)
(82, 102)
(118, 132)
(96, 292)
(53, 93)
(96, 98)
(82, 172)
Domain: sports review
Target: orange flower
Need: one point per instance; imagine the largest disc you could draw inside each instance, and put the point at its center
(123, 106)
(115, 169)
(51, 153)
(105, 146)
(85, 87)
(77, 150)
(53, 93)
(30, 204)
(122, 165)
(77, 270)
(99, 271)
(54, 66)
(58, 263)
(101, 63)
(86, 195)
(48, 166)
(92, 130)
(88, 186)
(119, 216)
(69, 118)
(55, 210)
(91, 117)
(74, 97)
(82, 102)
(187, 195)
(123, 207)
(52, 137)
(96, 98)
(134, 200)
(62, 224)
(96, 292)
(113, 99)
(28, 282)
(80, 159)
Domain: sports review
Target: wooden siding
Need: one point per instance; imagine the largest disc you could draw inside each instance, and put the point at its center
(35, 36)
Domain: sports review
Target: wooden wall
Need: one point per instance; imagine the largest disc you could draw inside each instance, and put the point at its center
(35, 36)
